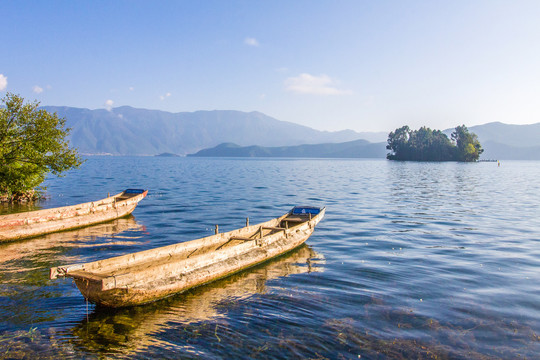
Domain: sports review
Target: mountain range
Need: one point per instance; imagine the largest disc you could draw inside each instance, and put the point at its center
(509, 142)
(130, 131)
(350, 149)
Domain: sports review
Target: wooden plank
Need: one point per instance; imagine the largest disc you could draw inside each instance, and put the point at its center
(295, 220)
(243, 238)
(81, 274)
(274, 228)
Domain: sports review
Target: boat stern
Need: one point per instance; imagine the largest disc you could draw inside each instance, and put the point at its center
(131, 193)
(314, 213)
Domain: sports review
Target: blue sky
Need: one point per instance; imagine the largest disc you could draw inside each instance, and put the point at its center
(330, 65)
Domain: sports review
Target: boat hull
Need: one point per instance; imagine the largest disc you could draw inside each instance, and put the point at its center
(166, 275)
(40, 222)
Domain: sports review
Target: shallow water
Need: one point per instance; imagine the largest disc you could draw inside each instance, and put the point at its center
(413, 260)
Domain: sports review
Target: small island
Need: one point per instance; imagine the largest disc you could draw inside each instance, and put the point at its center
(167, 154)
(425, 144)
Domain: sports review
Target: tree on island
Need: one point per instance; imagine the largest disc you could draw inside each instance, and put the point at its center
(32, 144)
(468, 146)
(425, 144)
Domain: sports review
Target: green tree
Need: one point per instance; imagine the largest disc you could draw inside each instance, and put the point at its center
(398, 143)
(425, 144)
(32, 144)
(468, 146)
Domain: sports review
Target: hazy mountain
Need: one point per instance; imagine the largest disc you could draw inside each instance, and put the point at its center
(507, 142)
(497, 151)
(129, 131)
(374, 137)
(513, 135)
(126, 130)
(351, 149)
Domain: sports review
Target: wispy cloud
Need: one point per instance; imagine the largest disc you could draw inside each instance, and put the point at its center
(131, 88)
(37, 89)
(109, 104)
(251, 41)
(163, 97)
(311, 84)
(3, 82)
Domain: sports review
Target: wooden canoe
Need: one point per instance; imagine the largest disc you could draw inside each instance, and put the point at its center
(149, 275)
(34, 223)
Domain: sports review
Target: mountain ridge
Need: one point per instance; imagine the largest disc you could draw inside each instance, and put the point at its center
(131, 131)
(351, 149)
(127, 130)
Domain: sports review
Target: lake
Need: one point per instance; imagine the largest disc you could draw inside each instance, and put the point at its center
(413, 260)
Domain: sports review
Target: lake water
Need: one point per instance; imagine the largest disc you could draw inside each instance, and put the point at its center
(413, 260)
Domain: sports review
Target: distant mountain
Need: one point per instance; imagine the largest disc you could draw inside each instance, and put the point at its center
(507, 142)
(129, 131)
(500, 141)
(167, 155)
(374, 137)
(351, 149)
(497, 151)
(512, 135)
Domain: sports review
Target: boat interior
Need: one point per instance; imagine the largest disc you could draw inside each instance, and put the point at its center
(187, 250)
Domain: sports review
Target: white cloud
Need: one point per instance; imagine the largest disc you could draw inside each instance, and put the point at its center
(317, 85)
(131, 88)
(37, 89)
(251, 41)
(163, 97)
(3, 82)
(109, 104)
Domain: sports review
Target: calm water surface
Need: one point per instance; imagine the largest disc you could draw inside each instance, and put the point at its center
(413, 260)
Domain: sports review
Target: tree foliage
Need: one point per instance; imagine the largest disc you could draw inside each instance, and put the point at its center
(468, 146)
(425, 144)
(32, 144)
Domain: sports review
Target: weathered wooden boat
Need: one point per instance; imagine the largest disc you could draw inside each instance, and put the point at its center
(149, 275)
(34, 223)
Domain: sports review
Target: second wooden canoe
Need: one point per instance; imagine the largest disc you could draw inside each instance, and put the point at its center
(149, 275)
(33, 223)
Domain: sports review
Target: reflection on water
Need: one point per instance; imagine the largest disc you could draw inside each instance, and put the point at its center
(13, 254)
(24, 267)
(133, 329)
(11, 208)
